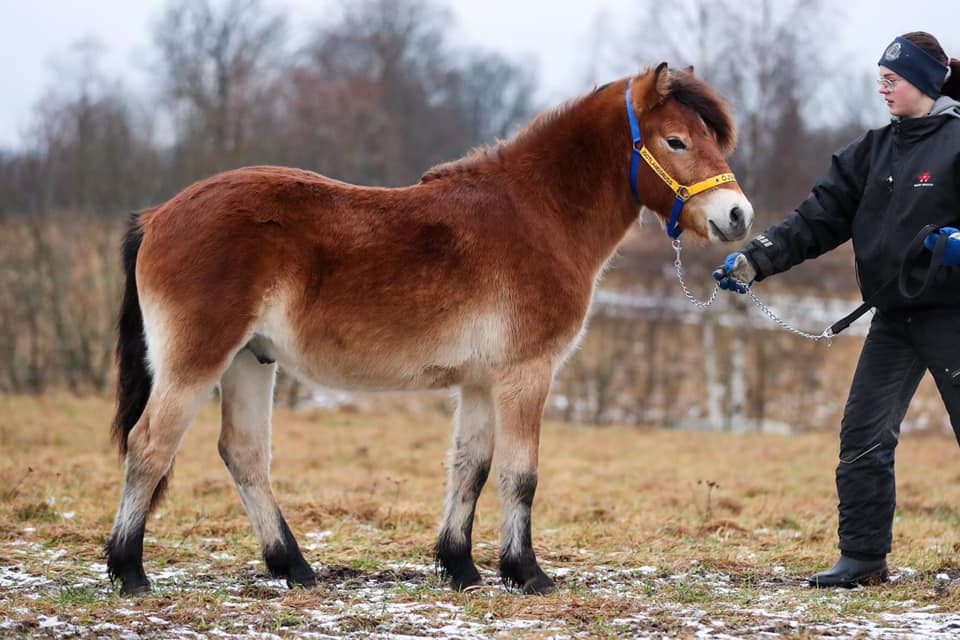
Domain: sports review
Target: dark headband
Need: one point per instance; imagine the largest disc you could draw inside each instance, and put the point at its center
(915, 65)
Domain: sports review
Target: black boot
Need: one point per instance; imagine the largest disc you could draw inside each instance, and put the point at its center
(850, 573)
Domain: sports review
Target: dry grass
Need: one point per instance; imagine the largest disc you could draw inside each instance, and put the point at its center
(662, 512)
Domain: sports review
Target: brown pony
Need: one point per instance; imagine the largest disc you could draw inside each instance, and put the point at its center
(479, 277)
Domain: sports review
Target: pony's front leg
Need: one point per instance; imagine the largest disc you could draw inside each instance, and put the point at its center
(469, 465)
(520, 395)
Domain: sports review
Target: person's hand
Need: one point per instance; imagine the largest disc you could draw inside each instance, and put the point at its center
(951, 255)
(736, 274)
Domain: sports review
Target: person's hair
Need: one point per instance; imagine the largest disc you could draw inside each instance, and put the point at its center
(930, 44)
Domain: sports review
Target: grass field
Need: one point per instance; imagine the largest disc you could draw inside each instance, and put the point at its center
(648, 533)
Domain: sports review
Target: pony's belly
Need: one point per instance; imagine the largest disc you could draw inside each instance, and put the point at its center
(333, 367)
(364, 376)
(378, 357)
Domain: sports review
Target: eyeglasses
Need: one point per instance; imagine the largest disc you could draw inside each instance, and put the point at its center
(888, 83)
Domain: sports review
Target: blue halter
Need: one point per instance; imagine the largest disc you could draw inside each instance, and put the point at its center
(673, 229)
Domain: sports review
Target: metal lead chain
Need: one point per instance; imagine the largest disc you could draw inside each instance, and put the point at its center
(683, 285)
(826, 335)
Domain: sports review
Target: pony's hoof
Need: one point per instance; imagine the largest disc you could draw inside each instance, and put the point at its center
(306, 585)
(303, 580)
(539, 585)
(131, 588)
(469, 582)
(526, 576)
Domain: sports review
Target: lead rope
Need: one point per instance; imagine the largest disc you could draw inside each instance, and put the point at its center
(683, 285)
(826, 335)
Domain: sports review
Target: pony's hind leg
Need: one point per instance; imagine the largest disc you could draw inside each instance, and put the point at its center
(151, 447)
(246, 404)
(469, 465)
(520, 395)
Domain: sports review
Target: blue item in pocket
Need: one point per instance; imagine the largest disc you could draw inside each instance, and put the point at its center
(951, 254)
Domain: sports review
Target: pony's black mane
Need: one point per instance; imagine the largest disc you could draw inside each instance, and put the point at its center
(602, 87)
(695, 94)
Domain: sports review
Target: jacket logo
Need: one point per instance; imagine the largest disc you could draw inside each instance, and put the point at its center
(923, 180)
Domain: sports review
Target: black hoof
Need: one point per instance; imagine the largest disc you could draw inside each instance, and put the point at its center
(135, 588)
(539, 585)
(292, 568)
(131, 576)
(125, 563)
(526, 575)
(468, 579)
(302, 578)
(284, 560)
(455, 562)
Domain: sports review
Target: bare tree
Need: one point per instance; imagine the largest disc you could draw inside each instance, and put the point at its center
(492, 95)
(379, 94)
(89, 153)
(217, 66)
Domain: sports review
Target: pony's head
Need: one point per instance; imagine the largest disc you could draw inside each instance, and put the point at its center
(686, 131)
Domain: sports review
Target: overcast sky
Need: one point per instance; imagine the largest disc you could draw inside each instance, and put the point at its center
(34, 33)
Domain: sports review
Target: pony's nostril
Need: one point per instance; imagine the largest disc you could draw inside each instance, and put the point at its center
(736, 216)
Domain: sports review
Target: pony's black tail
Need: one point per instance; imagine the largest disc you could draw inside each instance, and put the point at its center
(133, 376)
(134, 380)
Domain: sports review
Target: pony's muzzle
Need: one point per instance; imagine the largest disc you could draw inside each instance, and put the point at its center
(729, 215)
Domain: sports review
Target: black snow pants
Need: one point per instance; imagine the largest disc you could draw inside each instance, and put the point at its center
(899, 348)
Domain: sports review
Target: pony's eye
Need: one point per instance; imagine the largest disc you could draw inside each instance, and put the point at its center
(676, 144)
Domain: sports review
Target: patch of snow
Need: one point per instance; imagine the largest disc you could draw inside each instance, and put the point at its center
(319, 535)
(15, 578)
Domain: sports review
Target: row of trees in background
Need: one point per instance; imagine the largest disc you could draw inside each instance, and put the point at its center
(380, 93)
(376, 96)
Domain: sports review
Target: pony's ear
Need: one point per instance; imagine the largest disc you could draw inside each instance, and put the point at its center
(663, 80)
(651, 87)
(689, 70)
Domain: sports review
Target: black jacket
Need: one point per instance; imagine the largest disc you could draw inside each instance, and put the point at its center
(880, 191)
